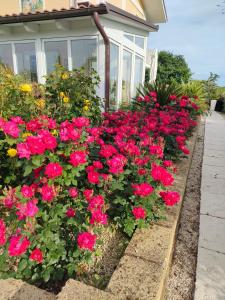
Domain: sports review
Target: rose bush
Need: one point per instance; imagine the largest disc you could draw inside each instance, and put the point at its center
(74, 177)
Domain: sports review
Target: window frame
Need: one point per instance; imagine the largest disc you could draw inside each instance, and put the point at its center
(12, 48)
(69, 48)
(15, 56)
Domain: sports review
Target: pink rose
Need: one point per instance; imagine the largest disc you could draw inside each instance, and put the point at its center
(86, 240)
(18, 245)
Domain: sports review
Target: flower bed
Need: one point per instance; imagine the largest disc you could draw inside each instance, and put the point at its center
(74, 177)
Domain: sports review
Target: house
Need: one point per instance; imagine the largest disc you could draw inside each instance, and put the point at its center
(109, 36)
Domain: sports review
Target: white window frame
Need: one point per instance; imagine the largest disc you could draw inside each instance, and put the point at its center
(69, 49)
(12, 48)
(124, 48)
(119, 79)
(14, 56)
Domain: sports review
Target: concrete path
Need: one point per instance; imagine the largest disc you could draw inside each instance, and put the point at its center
(210, 280)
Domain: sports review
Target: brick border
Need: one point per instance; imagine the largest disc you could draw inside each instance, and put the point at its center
(143, 270)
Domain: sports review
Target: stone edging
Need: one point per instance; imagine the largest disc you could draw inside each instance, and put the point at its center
(141, 273)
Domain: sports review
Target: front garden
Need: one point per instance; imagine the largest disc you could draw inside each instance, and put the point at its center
(67, 171)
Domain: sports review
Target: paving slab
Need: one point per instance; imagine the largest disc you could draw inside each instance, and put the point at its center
(214, 161)
(210, 284)
(212, 233)
(214, 186)
(210, 275)
(213, 205)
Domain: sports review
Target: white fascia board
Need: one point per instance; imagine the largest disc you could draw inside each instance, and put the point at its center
(155, 10)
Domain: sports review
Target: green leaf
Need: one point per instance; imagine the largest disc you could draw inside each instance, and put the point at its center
(22, 265)
(28, 170)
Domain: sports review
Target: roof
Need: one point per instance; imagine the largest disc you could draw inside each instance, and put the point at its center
(83, 9)
(155, 10)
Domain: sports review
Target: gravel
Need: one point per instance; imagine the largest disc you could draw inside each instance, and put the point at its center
(181, 282)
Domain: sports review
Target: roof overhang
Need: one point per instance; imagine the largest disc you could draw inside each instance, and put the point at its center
(155, 10)
(82, 11)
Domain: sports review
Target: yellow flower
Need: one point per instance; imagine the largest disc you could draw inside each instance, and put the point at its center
(12, 152)
(54, 132)
(85, 108)
(87, 102)
(61, 94)
(26, 88)
(66, 99)
(26, 134)
(65, 76)
(40, 103)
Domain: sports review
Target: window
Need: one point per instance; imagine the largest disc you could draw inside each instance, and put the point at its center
(32, 5)
(56, 53)
(26, 60)
(140, 41)
(84, 54)
(129, 37)
(6, 55)
(138, 73)
(126, 79)
(114, 69)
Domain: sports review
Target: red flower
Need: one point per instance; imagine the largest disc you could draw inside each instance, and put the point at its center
(107, 151)
(158, 173)
(18, 245)
(23, 150)
(47, 193)
(81, 122)
(70, 212)
(170, 198)
(36, 255)
(35, 145)
(96, 203)
(93, 177)
(156, 150)
(98, 217)
(28, 209)
(88, 194)
(78, 158)
(73, 192)
(86, 240)
(142, 189)
(53, 170)
(11, 128)
(116, 164)
(139, 213)
(2, 233)
(27, 191)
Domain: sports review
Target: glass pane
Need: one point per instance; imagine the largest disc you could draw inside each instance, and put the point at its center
(138, 73)
(114, 67)
(140, 42)
(56, 53)
(6, 55)
(32, 5)
(129, 37)
(26, 60)
(126, 80)
(84, 54)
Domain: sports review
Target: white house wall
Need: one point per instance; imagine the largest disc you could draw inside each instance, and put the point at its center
(79, 28)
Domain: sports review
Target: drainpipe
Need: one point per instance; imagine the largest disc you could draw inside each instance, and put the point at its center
(107, 58)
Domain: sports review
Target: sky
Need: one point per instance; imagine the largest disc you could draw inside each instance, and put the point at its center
(195, 29)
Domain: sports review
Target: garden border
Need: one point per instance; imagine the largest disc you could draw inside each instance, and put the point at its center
(143, 270)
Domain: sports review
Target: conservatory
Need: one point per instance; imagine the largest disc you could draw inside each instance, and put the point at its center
(100, 36)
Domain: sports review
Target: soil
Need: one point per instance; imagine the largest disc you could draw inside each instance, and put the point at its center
(181, 282)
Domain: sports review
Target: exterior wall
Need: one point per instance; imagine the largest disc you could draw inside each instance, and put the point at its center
(57, 4)
(132, 6)
(10, 7)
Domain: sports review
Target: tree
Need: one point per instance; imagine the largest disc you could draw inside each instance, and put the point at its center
(172, 67)
(210, 86)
